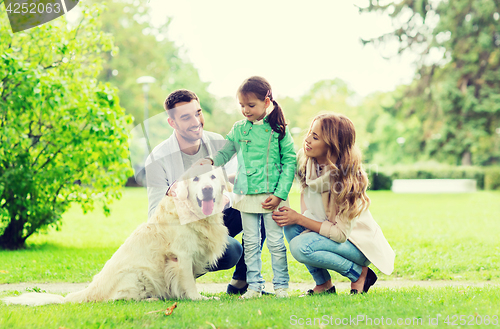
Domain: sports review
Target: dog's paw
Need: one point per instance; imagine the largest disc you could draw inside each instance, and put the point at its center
(198, 297)
(151, 299)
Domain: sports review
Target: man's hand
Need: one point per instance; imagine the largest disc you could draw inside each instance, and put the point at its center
(171, 190)
(225, 201)
(271, 202)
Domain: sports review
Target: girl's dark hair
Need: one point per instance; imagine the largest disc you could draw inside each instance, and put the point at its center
(262, 89)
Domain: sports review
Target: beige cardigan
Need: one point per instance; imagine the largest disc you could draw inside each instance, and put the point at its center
(366, 235)
(362, 231)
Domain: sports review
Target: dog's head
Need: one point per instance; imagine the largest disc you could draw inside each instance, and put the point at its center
(200, 189)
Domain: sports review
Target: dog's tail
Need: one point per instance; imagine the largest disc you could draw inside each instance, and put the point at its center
(34, 299)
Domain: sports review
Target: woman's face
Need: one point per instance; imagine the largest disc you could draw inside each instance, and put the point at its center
(314, 145)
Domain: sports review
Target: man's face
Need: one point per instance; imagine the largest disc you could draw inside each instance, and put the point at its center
(188, 120)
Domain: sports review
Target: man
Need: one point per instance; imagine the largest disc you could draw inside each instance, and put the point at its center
(168, 161)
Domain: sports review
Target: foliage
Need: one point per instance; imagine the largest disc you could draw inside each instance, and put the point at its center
(324, 96)
(63, 134)
(379, 180)
(386, 139)
(144, 49)
(223, 116)
(492, 178)
(455, 92)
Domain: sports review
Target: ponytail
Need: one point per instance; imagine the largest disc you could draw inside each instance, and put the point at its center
(277, 119)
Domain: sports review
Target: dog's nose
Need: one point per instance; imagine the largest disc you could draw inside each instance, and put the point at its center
(207, 191)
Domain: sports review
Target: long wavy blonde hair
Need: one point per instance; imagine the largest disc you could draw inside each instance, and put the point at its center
(348, 180)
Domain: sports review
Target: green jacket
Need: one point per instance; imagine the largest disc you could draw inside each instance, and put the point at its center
(265, 163)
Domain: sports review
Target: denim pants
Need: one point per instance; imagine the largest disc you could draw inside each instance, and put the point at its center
(232, 220)
(321, 254)
(229, 258)
(253, 244)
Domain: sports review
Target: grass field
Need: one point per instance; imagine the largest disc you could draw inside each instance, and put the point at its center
(417, 307)
(436, 237)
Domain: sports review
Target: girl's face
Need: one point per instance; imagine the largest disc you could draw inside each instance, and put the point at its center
(314, 145)
(253, 108)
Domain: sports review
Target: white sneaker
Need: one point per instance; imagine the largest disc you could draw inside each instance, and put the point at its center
(251, 294)
(281, 293)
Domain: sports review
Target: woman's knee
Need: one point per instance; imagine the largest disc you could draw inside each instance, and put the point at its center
(298, 250)
(291, 231)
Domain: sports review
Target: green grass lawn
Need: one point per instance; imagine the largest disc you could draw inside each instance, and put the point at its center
(380, 308)
(437, 237)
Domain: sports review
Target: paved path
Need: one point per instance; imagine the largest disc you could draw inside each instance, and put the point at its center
(221, 287)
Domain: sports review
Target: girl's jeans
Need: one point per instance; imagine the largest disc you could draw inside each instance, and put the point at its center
(276, 245)
(321, 254)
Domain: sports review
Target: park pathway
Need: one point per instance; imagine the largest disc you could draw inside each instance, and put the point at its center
(343, 287)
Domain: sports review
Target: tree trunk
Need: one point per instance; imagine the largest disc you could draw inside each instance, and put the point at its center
(467, 158)
(12, 238)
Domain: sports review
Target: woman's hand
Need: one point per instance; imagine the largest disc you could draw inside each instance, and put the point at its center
(271, 202)
(286, 216)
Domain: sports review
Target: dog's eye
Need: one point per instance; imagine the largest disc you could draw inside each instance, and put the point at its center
(196, 179)
(213, 177)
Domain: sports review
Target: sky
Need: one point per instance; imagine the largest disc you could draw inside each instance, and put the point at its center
(293, 44)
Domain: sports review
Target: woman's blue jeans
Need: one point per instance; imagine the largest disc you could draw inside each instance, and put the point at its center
(321, 254)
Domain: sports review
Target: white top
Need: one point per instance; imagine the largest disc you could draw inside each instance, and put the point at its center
(252, 203)
(314, 204)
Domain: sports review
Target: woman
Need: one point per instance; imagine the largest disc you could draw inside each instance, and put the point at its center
(335, 231)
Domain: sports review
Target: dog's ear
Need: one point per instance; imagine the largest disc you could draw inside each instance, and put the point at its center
(181, 189)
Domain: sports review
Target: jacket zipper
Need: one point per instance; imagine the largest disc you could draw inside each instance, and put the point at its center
(267, 159)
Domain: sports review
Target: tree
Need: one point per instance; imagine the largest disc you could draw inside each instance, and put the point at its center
(456, 89)
(324, 96)
(144, 49)
(63, 135)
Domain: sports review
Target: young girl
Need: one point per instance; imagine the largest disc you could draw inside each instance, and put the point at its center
(266, 166)
(336, 230)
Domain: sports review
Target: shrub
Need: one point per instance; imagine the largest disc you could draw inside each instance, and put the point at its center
(59, 126)
(487, 178)
(492, 178)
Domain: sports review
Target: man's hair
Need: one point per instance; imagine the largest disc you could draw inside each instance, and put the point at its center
(178, 96)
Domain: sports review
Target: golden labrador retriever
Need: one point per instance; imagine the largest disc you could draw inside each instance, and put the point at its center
(162, 257)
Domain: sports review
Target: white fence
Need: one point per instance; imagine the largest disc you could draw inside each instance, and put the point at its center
(434, 185)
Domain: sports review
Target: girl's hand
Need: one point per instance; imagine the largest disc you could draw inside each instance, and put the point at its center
(271, 202)
(286, 216)
(202, 162)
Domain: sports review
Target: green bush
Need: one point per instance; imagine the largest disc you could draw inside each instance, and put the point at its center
(379, 180)
(492, 178)
(64, 136)
(487, 178)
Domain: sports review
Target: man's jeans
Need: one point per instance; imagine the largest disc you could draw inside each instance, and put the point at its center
(231, 256)
(253, 246)
(321, 254)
